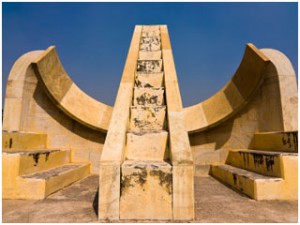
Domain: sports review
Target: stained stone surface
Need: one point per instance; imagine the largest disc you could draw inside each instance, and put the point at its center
(150, 43)
(150, 55)
(147, 118)
(148, 96)
(153, 178)
(149, 66)
(214, 203)
(149, 80)
(150, 33)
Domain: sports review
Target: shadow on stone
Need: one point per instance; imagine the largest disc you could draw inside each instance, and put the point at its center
(95, 202)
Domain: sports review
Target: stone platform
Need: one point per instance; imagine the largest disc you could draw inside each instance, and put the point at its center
(214, 203)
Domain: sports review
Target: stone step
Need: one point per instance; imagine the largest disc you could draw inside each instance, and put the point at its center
(254, 185)
(149, 80)
(146, 185)
(149, 66)
(276, 141)
(38, 160)
(148, 96)
(262, 162)
(151, 33)
(12, 141)
(40, 185)
(149, 55)
(150, 28)
(146, 146)
(150, 44)
(151, 118)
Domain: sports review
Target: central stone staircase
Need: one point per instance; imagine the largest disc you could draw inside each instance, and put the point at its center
(268, 171)
(146, 176)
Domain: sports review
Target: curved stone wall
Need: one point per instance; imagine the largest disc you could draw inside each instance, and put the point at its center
(67, 95)
(231, 98)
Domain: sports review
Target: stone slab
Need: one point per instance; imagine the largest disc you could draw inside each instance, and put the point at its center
(146, 146)
(149, 66)
(24, 141)
(183, 193)
(150, 55)
(149, 80)
(148, 96)
(147, 118)
(109, 192)
(146, 191)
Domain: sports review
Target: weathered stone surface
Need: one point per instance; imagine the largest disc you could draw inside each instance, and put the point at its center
(25, 141)
(150, 43)
(69, 97)
(146, 191)
(109, 192)
(149, 66)
(149, 80)
(183, 192)
(146, 146)
(147, 118)
(153, 33)
(151, 28)
(114, 146)
(148, 96)
(222, 205)
(276, 141)
(150, 55)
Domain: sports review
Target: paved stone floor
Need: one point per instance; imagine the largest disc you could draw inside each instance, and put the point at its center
(214, 203)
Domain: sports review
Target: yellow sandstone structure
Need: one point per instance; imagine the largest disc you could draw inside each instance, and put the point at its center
(147, 148)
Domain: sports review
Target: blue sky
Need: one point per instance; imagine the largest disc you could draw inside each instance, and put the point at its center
(92, 39)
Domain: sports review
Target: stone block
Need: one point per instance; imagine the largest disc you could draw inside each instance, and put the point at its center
(149, 80)
(151, 43)
(276, 141)
(148, 96)
(146, 191)
(146, 146)
(147, 118)
(12, 107)
(109, 191)
(151, 33)
(94, 159)
(150, 28)
(183, 192)
(149, 66)
(24, 141)
(149, 55)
